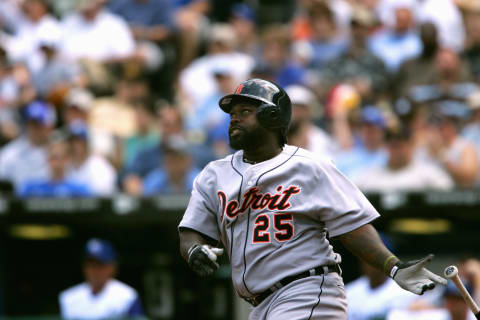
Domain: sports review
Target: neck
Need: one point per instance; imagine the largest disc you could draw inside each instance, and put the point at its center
(397, 165)
(97, 288)
(261, 154)
(177, 180)
(57, 176)
(78, 160)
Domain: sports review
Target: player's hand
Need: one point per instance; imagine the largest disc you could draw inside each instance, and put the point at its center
(202, 259)
(414, 277)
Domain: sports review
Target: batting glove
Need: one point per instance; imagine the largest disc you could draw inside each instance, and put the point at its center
(202, 259)
(414, 277)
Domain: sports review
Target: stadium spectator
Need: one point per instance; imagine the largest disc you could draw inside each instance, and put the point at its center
(192, 23)
(276, 56)
(357, 65)
(147, 135)
(397, 43)
(76, 105)
(9, 91)
(452, 79)
(87, 168)
(149, 20)
(472, 44)
(30, 31)
(221, 51)
(367, 147)
(108, 37)
(242, 19)
(451, 70)
(170, 123)
(177, 172)
(53, 78)
(403, 172)
(469, 269)
(25, 158)
(471, 131)
(303, 131)
(419, 70)
(25, 88)
(113, 119)
(447, 18)
(327, 41)
(152, 25)
(447, 148)
(111, 44)
(207, 123)
(10, 15)
(101, 296)
(57, 185)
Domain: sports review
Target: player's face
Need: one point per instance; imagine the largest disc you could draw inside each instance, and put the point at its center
(244, 130)
(97, 273)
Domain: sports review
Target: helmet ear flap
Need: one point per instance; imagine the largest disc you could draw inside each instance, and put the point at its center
(269, 116)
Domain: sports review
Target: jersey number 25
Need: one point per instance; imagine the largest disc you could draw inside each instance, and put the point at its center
(282, 223)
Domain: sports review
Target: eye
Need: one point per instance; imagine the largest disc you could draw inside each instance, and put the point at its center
(246, 112)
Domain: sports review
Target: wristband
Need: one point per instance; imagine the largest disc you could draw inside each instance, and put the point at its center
(386, 262)
(393, 272)
(193, 247)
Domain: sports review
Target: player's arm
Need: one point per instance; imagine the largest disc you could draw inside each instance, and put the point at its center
(199, 252)
(365, 243)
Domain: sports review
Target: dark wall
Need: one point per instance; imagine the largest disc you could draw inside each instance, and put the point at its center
(34, 271)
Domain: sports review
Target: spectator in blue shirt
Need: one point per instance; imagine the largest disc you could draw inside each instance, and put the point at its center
(327, 42)
(276, 56)
(171, 124)
(397, 44)
(149, 20)
(368, 148)
(57, 185)
(177, 172)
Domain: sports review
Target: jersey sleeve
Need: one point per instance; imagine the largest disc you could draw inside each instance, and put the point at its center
(201, 213)
(342, 206)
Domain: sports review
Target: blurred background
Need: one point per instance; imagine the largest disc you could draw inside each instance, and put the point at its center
(109, 109)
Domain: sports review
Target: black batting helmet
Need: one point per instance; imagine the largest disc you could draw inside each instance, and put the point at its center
(275, 109)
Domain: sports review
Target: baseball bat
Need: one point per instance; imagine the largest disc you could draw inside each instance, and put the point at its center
(451, 273)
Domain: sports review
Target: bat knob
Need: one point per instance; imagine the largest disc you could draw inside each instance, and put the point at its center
(451, 272)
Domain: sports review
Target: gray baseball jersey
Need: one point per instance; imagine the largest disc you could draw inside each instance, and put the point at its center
(274, 217)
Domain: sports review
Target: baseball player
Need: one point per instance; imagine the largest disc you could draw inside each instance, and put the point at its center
(100, 296)
(274, 208)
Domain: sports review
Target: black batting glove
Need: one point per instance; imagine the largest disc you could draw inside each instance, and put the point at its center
(202, 259)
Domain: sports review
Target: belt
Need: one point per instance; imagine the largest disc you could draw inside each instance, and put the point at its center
(256, 300)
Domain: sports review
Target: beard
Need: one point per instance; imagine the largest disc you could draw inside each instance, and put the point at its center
(247, 139)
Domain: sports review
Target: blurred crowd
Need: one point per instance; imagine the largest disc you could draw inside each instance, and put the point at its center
(106, 96)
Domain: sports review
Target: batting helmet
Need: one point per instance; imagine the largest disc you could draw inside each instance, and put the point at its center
(275, 109)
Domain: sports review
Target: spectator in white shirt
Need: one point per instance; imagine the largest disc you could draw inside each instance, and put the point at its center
(25, 158)
(221, 52)
(87, 168)
(100, 296)
(305, 110)
(37, 22)
(447, 147)
(96, 34)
